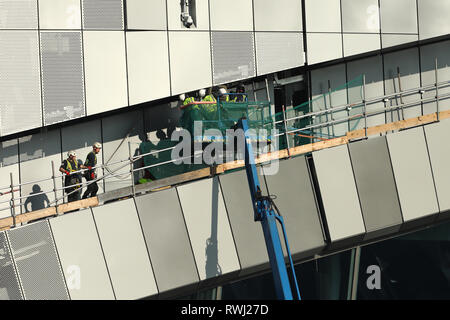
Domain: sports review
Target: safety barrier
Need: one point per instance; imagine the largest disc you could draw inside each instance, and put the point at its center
(310, 127)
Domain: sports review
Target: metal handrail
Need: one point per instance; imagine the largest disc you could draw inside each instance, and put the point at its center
(132, 159)
(360, 103)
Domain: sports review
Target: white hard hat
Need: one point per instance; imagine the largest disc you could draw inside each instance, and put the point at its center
(97, 145)
(182, 97)
(71, 153)
(202, 92)
(222, 90)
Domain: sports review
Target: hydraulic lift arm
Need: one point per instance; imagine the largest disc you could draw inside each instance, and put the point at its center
(264, 212)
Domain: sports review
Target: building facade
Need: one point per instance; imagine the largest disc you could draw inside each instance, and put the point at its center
(73, 72)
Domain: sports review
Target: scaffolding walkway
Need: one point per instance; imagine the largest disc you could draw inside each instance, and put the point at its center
(298, 131)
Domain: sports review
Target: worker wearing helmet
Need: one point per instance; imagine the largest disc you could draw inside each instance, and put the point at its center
(240, 94)
(210, 110)
(223, 96)
(68, 167)
(189, 112)
(90, 163)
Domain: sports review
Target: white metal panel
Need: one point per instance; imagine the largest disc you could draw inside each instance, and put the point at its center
(408, 63)
(81, 256)
(125, 250)
(439, 156)
(117, 131)
(390, 40)
(201, 15)
(167, 240)
(399, 16)
(190, 61)
(105, 71)
(146, 15)
(412, 171)
(277, 51)
(20, 89)
(240, 19)
(37, 152)
(18, 14)
(323, 15)
(372, 68)
(61, 14)
(323, 47)
(360, 16)
(280, 15)
(428, 56)
(360, 43)
(148, 66)
(339, 195)
(209, 229)
(335, 75)
(433, 18)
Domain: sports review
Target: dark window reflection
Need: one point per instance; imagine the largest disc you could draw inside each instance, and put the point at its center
(325, 279)
(415, 266)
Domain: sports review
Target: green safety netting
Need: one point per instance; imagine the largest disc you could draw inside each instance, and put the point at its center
(313, 128)
(216, 118)
(167, 168)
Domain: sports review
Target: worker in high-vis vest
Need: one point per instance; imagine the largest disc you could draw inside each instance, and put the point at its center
(240, 94)
(190, 112)
(210, 109)
(68, 167)
(90, 174)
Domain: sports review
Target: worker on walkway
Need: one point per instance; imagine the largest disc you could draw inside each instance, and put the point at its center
(222, 94)
(210, 110)
(90, 163)
(70, 165)
(240, 94)
(190, 112)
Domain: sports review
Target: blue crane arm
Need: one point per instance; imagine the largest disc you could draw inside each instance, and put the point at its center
(263, 212)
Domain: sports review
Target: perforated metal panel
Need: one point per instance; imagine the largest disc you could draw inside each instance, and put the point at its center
(18, 14)
(62, 76)
(103, 14)
(20, 91)
(37, 263)
(277, 51)
(233, 56)
(9, 283)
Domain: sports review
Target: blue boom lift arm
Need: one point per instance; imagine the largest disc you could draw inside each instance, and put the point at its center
(264, 212)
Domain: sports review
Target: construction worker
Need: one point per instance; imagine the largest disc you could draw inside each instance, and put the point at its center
(222, 94)
(190, 113)
(90, 163)
(70, 165)
(240, 94)
(210, 110)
